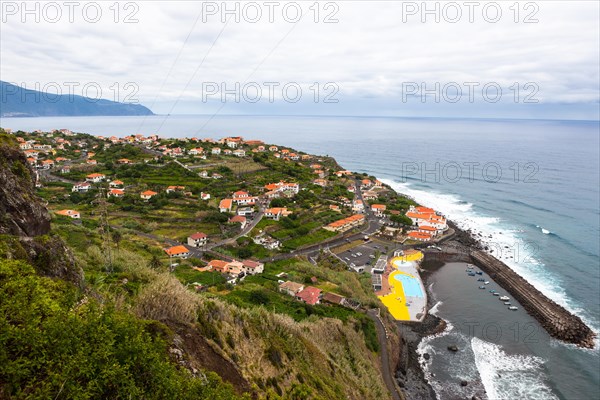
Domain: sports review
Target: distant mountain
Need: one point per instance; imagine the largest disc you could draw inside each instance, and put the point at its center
(18, 102)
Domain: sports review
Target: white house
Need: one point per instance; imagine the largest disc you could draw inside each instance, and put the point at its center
(81, 187)
(198, 239)
(216, 150)
(95, 178)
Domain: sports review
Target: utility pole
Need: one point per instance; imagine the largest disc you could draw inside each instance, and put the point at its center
(105, 228)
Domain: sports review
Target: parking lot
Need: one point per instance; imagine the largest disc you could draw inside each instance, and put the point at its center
(362, 255)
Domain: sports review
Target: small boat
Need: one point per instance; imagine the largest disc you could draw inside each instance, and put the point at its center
(496, 294)
(486, 282)
(481, 287)
(492, 291)
(471, 274)
(513, 308)
(507, 303)
(480, 280)
(504, 298)
(479, 273)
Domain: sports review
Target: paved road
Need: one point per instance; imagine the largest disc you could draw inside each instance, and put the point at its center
(388, 374)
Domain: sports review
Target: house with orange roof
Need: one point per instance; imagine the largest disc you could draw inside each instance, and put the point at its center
(428, 229)
(116, 193)
(238, 219)
(32, 161)
(419, 236)
(320, 173)
(172, 189)
(277, 212)
(320, 182)
(335, 207)
(177, 251)
(344, 224)
(69, 213)
(204, 196)
(358, 205)
(92, 162)
(378, 209)
(198, 239)
(95, 178)
(124, 161)
(216, 150)
(370, 195)
(306, 157)
(273, 148)
(294, 156)
(316, 166)
(366, 184)
(239, 153)
(243, 198)
(32, 153)
(339, 174)
(61, 159)
(115, 184)
(225, 205)
(283, 187)
(47, 164)
(309, 295)
(227, 152)
(148, 194)
(291, 288)
(196, 152)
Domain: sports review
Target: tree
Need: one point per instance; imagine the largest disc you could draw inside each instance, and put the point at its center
(155, 263)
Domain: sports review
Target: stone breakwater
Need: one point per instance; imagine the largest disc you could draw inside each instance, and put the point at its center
(555, 319)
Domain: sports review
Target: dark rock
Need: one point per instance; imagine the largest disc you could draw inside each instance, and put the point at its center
(464, 383)
(453, 348)
(426, 356)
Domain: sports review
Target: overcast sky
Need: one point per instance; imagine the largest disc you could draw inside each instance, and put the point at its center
(372, 56)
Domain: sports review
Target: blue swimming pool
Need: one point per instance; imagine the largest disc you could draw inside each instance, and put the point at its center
(410, 285)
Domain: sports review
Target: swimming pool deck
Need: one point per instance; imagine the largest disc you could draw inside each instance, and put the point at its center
(392, 294)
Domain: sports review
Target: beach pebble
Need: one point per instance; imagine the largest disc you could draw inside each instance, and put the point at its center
(426, 356)
(464, 383)
(453, 347)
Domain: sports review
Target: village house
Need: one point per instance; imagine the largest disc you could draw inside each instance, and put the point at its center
(239, 153)
(92, 162)
(172, 189)
(344, 224)
(309, 295)
(124, 161)
(320, 173)
(216, 176)
(233, 142)
(198, 239)
(196, 152)
(81, 187)
(65, 169)
(203, 174)
(273, 148)
(267, 242)
(291, 288)
(95, 178)
(238, 219)
(320, 182)
(47, 164)
(378, 209)
(115, 184)
(148, 194)
(370, 195)
(339, 174)
(216, 150)
(358, 205)
(283, 187)
(335, 207)
(366, 184)
(225, 205)
(276, 213)
(227, 152)
(245, 211)
(419, 236)
(69, 213)
(204, 196)
(243, 198)
(178, 251)
(116, 193)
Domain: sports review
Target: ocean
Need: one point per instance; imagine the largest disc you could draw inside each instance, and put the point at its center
(528, 188)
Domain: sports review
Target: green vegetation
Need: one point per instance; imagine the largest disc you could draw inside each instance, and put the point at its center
(56, 343)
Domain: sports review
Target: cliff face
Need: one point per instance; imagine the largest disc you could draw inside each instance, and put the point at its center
(25, 221)
(21, 211)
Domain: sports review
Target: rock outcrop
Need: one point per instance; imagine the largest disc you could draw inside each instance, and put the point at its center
(25, 221)
(22, 212)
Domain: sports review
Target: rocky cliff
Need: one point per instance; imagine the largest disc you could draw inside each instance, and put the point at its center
(25, 221)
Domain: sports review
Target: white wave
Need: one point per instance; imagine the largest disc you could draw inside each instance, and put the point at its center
(433, 310)
(505, 241)
(506, 376)
(545, 231)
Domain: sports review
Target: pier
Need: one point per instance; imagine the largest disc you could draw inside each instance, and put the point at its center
(555, 319)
